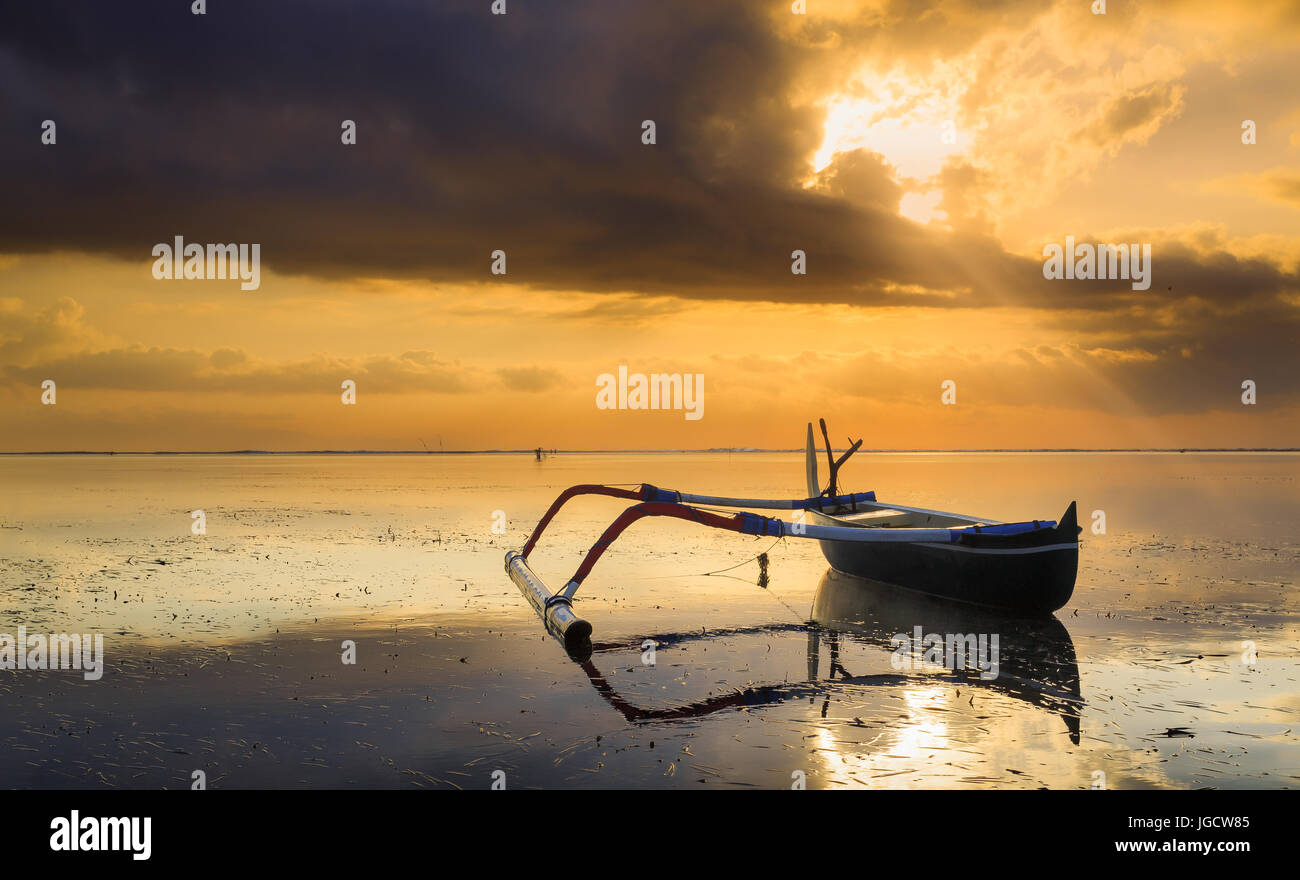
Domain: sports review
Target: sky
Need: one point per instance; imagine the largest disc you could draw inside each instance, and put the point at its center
(920, 154)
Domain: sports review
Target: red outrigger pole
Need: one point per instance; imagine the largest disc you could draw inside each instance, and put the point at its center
(556, 609)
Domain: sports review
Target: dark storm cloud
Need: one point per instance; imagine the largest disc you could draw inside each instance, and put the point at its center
(519, 132)
(476, 132)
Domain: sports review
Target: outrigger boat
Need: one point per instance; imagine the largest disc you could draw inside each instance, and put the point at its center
(1025, 568)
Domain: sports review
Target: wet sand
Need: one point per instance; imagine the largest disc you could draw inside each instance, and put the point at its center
(224, 650)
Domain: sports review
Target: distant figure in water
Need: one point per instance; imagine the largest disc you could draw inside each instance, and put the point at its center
(538, 451)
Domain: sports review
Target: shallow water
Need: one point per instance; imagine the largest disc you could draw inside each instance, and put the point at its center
(223, 649)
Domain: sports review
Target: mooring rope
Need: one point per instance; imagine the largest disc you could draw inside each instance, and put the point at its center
(742, 562)
(760, 559)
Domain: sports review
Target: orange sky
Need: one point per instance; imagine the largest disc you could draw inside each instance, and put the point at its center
(1122, 128)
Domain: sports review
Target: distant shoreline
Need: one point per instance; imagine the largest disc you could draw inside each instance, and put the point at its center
(745, 451)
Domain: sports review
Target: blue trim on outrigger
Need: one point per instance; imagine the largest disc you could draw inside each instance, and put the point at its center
(753, 524)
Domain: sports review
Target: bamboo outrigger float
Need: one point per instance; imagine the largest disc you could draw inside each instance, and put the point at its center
(1025, 568)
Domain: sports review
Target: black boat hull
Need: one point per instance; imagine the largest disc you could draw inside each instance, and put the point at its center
(1030, 580)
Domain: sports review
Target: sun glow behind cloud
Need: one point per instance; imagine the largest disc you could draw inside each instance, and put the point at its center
(902, 118)
(913, 122)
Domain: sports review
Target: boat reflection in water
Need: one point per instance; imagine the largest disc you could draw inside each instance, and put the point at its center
(850, 615)
(1036, 660)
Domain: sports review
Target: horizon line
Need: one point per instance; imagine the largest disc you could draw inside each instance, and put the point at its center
(712, 450)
